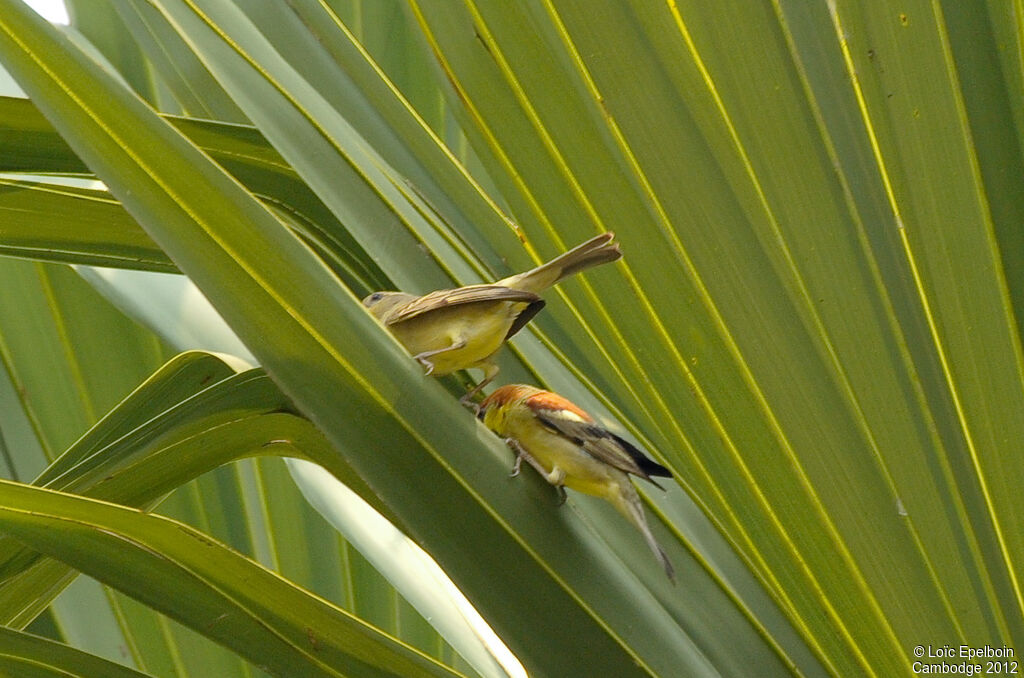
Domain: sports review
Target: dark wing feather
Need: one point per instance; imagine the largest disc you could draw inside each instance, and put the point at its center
(605, 446)
(649, 466)
(463, 295)
(525, 317)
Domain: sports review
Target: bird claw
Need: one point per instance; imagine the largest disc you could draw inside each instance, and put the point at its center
(514, 444)
(556, 478)
(429, 366)
(466, 401)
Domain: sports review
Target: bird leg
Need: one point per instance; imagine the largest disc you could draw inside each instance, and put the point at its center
(522, 454)
(556, 476)
(490, 371)
(422, 358)
(561, 494)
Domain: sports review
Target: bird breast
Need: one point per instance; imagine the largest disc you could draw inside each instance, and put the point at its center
(583, 472)
(482, 326)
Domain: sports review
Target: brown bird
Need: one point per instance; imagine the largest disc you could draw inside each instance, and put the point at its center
(569, 449)
(462, 328)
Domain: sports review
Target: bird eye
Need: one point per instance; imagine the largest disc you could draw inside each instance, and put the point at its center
(374, 298)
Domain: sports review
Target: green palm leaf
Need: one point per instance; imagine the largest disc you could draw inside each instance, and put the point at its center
(814, 325)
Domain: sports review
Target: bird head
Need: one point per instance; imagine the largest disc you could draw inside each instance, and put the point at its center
(501, 403)
(380, 303)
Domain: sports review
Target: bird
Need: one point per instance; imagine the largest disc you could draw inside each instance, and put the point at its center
(463, 328)
(569, 449)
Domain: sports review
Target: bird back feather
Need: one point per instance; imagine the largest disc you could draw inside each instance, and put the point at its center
(471, 294)
(604, 446)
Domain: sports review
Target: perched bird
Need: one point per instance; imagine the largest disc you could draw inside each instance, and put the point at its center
(566, 446)
(458, 329)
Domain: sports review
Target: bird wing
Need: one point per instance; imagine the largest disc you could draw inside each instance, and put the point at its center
(456, 297)
(603, 445)
(532, 309)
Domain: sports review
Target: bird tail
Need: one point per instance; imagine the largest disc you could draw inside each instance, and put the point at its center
(628, 503)
(594, 252)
